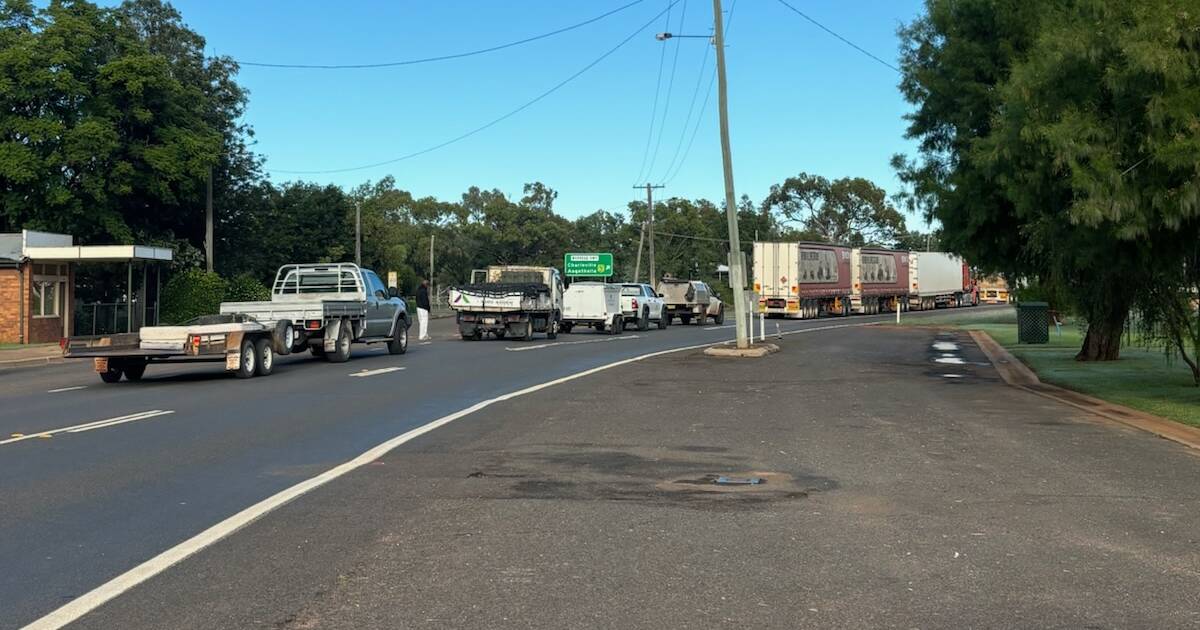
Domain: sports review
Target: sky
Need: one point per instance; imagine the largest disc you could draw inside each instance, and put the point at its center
(800, 100)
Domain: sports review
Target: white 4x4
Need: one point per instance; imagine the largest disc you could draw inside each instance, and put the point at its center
(641, 305)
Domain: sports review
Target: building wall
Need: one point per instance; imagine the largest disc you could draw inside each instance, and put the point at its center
(10, 292)
(48, 329)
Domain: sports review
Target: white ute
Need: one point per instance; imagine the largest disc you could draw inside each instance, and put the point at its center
(641, 305)
(594, 304)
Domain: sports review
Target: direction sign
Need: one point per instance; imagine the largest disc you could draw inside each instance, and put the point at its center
(590, 265)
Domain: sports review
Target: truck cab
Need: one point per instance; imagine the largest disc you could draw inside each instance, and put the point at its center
(503, 300)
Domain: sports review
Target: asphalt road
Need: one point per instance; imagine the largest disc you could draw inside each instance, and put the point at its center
(191, 445)
(906, 487)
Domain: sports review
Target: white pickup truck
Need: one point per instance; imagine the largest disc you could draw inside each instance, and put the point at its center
(504, 300)
(323, 307)
(641, 305)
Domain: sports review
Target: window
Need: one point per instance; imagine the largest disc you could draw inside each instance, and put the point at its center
(49, 289)
(374, 284)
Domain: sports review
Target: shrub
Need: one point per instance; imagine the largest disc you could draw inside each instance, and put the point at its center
(190, 294)
(246, 288)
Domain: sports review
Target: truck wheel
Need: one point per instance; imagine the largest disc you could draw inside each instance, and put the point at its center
(552, 328)
(685, 319)
(134, 369)
(720, 318)
(341, 350)
(528, 331)
(666, 317)
(266, 357)
(644, 321)
(398, 344)
(566, 327)
(284, 338)
(248, 364)
(112, 375)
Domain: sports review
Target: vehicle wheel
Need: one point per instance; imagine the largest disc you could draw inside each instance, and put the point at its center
(666, 317)
(644, 321)
(284, 338)
(134, 370)
(341, 350)
(566, 327)
(663, 321)
(249, 363)
(468, 336)
(528, 336)
(500, 334)
(113, 374)
(552, 329)
(618, 324)
(720, 318)
(266, 357)
(685, 319)
(399, 341)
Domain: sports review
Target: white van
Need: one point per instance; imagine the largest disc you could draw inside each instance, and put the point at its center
(594, 304)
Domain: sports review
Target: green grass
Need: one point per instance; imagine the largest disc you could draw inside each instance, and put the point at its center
(1142, 379)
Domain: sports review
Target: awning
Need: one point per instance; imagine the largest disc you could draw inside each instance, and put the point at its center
(100, 253)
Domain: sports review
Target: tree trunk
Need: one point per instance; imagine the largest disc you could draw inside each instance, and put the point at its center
(1103, 339)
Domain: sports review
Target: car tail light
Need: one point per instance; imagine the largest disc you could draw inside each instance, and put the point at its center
(635, 304)
(313, 324)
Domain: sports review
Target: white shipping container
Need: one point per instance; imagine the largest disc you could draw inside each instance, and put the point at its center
(935, 273)
(776, 268)
(592, 301)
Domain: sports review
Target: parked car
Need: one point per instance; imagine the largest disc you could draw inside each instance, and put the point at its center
(641, 305)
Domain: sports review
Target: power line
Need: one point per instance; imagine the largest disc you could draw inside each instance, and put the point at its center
(496, 121)
(687, 120)
(670, 88)
(410, 62)
(831, 32)
(662, 56)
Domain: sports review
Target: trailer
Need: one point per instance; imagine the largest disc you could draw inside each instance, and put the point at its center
(593, 304)
(802, 280)
(940, 280)
(880, 280)
(245, 346)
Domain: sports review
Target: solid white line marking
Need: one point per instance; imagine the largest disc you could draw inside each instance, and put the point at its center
(96, 597)
(88, 426)
(950, 360)
(66, 389)
(553, 344)
(945, 346)
(374, 372)
(720, 327)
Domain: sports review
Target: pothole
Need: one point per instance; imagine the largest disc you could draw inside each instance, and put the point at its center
(736, 482)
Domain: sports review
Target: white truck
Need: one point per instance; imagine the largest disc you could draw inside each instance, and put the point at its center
(641, 305)
(325, 307)
(939, 279)
(690, 300)
(593, 304)
(504, 300)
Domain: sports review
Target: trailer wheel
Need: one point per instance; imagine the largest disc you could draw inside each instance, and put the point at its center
(265, 356)
(720, 317)
(341, 350)
(284, 337)
(685, 319)
(248, 365)
(134, 369)
(112, 375)
(618, 324)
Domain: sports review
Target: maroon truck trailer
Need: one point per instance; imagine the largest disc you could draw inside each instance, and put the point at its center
(880, 279)
(802, 280)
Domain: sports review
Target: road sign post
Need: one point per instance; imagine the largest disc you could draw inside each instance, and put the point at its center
(597, 265)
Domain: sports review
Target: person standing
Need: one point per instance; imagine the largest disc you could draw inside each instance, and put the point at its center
(423, 311)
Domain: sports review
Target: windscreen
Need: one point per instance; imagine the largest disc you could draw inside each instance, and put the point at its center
(634, 290)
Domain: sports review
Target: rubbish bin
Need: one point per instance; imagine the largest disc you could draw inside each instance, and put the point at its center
(1033, 322)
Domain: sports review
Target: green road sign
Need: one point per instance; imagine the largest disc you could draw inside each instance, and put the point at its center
(593, 265)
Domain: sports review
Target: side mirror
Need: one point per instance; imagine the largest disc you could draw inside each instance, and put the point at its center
(662, 295)
(393, 292)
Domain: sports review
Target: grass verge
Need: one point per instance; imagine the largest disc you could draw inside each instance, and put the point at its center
(1142, 379)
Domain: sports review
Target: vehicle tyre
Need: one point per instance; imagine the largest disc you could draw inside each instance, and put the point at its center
(685, 319)
(265, 357)
(284, 337)
(666, 317)
(720, 317)
(469, 336)
(134, 370)
(500, 334)
(341, 349)
(552, 328)
(566, 327)
(644, 321)
(528, 336)
(248, 365)
(663, 321)
(618, 324)
(113, 374)
(399, 341)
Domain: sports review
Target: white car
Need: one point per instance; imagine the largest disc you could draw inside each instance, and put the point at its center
(640, 305)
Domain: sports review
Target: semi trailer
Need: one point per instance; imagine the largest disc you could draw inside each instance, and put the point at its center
(802, 280)
(939, 279)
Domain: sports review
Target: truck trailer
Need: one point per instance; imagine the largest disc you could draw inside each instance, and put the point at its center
(802, 280)
(939, 279)
(880, 280)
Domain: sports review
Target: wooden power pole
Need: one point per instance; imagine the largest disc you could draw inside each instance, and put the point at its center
(650, 225)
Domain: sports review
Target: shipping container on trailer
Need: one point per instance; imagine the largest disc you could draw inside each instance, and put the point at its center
(880, 280)
(940, 279)
(802, 280)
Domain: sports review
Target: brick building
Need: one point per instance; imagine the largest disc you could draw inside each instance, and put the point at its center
(37, 282)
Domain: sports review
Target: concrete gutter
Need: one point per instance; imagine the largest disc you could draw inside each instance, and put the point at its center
(1018, 375)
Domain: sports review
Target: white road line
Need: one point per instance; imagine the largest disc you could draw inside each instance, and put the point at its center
(96, 597)
(569, 343)
(374, 372)
(66, 389)
(720, 327)
(88, 426)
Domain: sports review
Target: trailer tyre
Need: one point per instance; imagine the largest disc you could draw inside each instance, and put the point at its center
(685, 319)
(248, 365)
(341, 350)
(719, 319)
(112, 375)
(618, 324)
(134, 370)
(284, 337)
(265, 356)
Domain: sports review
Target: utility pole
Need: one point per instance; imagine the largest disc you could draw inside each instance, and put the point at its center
(432, 288)
(650, 210)
(737, 274)
(208, 225)
(357, 234)
(637, 270)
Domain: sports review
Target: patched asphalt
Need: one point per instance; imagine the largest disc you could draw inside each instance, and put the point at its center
(895, 497)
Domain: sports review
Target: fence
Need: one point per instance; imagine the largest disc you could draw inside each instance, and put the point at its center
(107, 318)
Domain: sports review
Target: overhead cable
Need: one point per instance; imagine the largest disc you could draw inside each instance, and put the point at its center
(831, 32)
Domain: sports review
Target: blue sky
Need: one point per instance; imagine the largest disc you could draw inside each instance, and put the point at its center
(800, 100)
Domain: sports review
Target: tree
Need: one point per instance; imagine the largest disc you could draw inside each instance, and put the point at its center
(1059, 142)
(846, 211)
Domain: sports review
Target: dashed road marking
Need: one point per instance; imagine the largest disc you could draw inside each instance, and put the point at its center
(88, 426)
(66, 389)
(554, 344)
(385, 370)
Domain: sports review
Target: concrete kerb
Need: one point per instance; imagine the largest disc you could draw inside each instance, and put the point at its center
(1017, 374)
(753, 352)
(29, 362)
